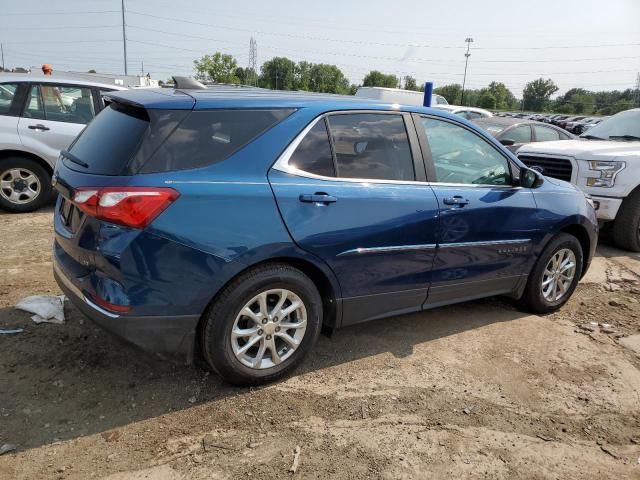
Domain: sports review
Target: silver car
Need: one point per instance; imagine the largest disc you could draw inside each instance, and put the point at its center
(39, 116)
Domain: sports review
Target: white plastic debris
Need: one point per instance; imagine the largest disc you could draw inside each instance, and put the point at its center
(47, 308)
(11, 331)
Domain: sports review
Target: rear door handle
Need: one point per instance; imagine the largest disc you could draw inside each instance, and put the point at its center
(39, 126)
(323, 198)
(455, 200)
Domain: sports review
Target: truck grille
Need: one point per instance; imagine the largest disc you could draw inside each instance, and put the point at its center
(559, 168)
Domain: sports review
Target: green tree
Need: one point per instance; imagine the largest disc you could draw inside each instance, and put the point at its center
(410, 83)
(378, 79)
(327, 79)
(505, 100)
(217, 68)
(487, 100)
(450, 92)
(278, 74)
(536, 94)
(92, 71)
(302, 75)
(246, 76)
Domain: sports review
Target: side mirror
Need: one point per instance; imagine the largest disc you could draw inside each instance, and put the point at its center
(507, 142)
(530, 178)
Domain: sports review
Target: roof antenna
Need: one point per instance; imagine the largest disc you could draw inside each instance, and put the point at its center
(187, 83)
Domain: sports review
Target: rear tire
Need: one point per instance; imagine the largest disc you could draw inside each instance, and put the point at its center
(25, 185)
(626, 227)
(227, 331)
(539, 296)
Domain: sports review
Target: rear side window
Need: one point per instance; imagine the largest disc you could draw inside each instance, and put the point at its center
(521, 134)
(208, 137)
(7, 96)
(313, 154)
(371, 146)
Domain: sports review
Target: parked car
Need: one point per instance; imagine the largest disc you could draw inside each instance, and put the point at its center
(586, 124)
(559, 119)
(39, 116)
(470, 113)
(515, 132)
(564, 122)
(398, 95)
(571, 126)
(605, 163)
(235, 225)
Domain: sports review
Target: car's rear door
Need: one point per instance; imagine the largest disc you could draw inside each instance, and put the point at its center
(53, 116)
(351, 190)
(487, 224)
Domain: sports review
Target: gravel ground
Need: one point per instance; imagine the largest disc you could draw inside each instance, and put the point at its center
(478, 390)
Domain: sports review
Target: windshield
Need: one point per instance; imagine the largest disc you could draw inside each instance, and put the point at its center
(623, 124)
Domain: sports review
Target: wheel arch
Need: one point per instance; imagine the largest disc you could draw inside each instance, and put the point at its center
(327, 287)
(9, 153)
(580, 232)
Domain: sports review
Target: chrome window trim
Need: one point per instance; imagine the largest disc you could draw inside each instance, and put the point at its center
(395, 248)
(282, 163)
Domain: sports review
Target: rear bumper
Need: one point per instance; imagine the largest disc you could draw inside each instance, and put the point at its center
(169, 337)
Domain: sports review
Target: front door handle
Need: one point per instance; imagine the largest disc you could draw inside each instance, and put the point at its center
(39, 126)
(322, 198)
(455, 200)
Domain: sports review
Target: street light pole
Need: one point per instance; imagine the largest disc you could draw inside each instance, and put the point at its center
(124, 40)
(469, 41)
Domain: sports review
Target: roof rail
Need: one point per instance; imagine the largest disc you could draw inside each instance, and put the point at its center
(187, 83)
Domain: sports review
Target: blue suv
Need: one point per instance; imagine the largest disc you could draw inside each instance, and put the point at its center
(231, 225)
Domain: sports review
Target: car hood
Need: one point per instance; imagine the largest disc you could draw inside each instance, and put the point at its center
(588, 149)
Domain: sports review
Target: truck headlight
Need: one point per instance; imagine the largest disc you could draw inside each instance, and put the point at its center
(607, 170)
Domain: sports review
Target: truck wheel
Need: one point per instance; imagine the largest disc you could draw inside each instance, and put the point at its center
(262, 325)
(25, 185)
(626, 227)
(554, 276)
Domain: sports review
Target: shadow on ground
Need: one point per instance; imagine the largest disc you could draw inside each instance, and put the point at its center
(66, 381)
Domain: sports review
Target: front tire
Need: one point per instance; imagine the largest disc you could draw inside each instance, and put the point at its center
(626, 227)
(262, 325)
(555, 275)
(25, 185)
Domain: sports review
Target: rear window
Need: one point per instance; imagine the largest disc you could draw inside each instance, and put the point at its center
(125, 140)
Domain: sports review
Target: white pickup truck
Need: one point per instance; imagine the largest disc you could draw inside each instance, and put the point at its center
(605, 163)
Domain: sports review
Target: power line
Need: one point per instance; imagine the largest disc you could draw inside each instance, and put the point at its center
(66, 27)
(30, 14)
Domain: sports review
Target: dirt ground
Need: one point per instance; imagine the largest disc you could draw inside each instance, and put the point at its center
(479, 390)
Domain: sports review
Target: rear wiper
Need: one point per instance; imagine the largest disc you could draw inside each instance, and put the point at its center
(73, 158)
(591, 137)
(624, 137)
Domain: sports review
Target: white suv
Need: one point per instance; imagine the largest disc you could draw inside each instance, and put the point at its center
(604, 162)
(39, 116)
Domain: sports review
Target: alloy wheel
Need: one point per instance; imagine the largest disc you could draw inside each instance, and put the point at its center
(558, 275)
(269, 328)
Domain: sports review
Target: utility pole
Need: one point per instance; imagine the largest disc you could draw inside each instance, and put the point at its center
(2, 51)
(469, 41)
(142, 68)
(124, 39)
(637, 89)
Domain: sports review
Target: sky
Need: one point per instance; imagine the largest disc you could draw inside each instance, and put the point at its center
(592, 44)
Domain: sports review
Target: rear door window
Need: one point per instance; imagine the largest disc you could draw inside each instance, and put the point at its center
(313, 154)
(35, 106)
(521, 134)
(545, 134)
(371, 146)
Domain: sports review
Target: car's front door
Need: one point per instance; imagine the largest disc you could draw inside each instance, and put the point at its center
(487, 225)
(53, 116)
(352, 191)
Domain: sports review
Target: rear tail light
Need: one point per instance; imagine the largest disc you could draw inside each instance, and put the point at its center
(112, 307)
(134, 207)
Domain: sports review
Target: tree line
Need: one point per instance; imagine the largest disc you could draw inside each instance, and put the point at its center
(281, 73)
